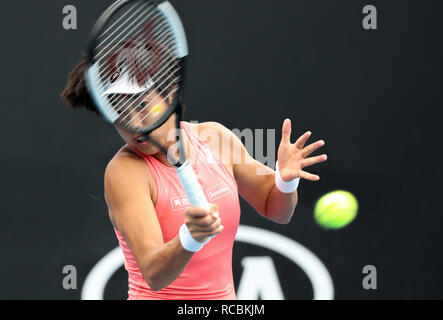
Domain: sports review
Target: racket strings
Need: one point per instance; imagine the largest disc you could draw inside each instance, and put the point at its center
(160, 78)
(116, 25)
(140, 70)
(116, 41)
(103, 56)
(123, 33)
(160, 94)
(148, 66)
(124, 103)
(164, 80)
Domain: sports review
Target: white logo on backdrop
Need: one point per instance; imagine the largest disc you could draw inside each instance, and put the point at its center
(254, 268)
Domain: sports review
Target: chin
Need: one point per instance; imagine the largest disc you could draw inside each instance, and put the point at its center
(146, 148)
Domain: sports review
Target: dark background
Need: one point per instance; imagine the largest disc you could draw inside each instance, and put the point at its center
(373, 96)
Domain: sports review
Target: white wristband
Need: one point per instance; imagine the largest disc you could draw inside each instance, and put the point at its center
(285, 186)
(188, 242)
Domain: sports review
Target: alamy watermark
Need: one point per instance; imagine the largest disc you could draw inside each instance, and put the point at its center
(237, 147)
(370, 19)
(69, 21)
(69, 281)
(370, 279)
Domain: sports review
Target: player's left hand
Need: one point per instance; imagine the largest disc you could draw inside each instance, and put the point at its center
(292, 157)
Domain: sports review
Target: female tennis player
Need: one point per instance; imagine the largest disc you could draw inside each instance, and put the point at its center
(148, 206)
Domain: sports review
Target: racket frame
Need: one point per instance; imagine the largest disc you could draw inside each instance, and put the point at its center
(183, 167)
(175, 105)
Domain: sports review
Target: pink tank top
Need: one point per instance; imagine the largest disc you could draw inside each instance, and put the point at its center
(208, 274)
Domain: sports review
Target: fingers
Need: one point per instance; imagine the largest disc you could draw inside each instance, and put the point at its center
(309, 176)
(286, 132)
(199, 212)
(213, 210)
(300, 143)
(313, 160)
(306, 151)
(196, 212)
(203, 223)
(312, 147)
(194, 216)
(203, 236)
(206, 228)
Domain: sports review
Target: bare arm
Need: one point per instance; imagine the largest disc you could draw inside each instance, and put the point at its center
(256, 181)
(133, 214)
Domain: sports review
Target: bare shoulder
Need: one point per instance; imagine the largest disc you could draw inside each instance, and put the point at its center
(211, 130)
(122, 161)
(126, 168)
(201, 127)
(220, 139)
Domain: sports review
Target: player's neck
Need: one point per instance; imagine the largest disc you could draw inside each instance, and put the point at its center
(187, 145)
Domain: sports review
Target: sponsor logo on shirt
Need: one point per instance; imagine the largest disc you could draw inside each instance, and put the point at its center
(179, 203)
(217, 191)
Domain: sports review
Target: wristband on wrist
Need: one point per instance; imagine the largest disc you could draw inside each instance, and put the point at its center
(188, 242)
(285, 186)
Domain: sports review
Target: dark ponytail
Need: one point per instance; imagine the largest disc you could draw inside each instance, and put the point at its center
(75, 93)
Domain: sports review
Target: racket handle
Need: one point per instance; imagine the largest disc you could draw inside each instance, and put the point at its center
(192, 187)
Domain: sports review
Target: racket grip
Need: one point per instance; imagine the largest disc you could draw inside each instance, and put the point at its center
(192, 187)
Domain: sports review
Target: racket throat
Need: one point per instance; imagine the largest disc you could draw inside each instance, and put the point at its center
(177, 160)
(178, 118)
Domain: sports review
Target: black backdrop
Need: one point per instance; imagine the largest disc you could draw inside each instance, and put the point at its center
(373, 96)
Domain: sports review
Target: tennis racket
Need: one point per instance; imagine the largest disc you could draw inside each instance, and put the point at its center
(136, 52)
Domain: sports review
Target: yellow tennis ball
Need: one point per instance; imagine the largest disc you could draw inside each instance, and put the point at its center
(336, 209)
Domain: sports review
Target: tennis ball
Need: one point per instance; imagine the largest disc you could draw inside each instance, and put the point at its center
(336, 209)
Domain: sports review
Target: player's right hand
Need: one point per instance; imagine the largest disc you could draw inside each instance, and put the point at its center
(203, 223)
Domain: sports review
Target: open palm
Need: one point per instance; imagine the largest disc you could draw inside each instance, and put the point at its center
(292, 157)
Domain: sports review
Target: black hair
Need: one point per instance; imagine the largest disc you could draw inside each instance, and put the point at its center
(76, 94)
